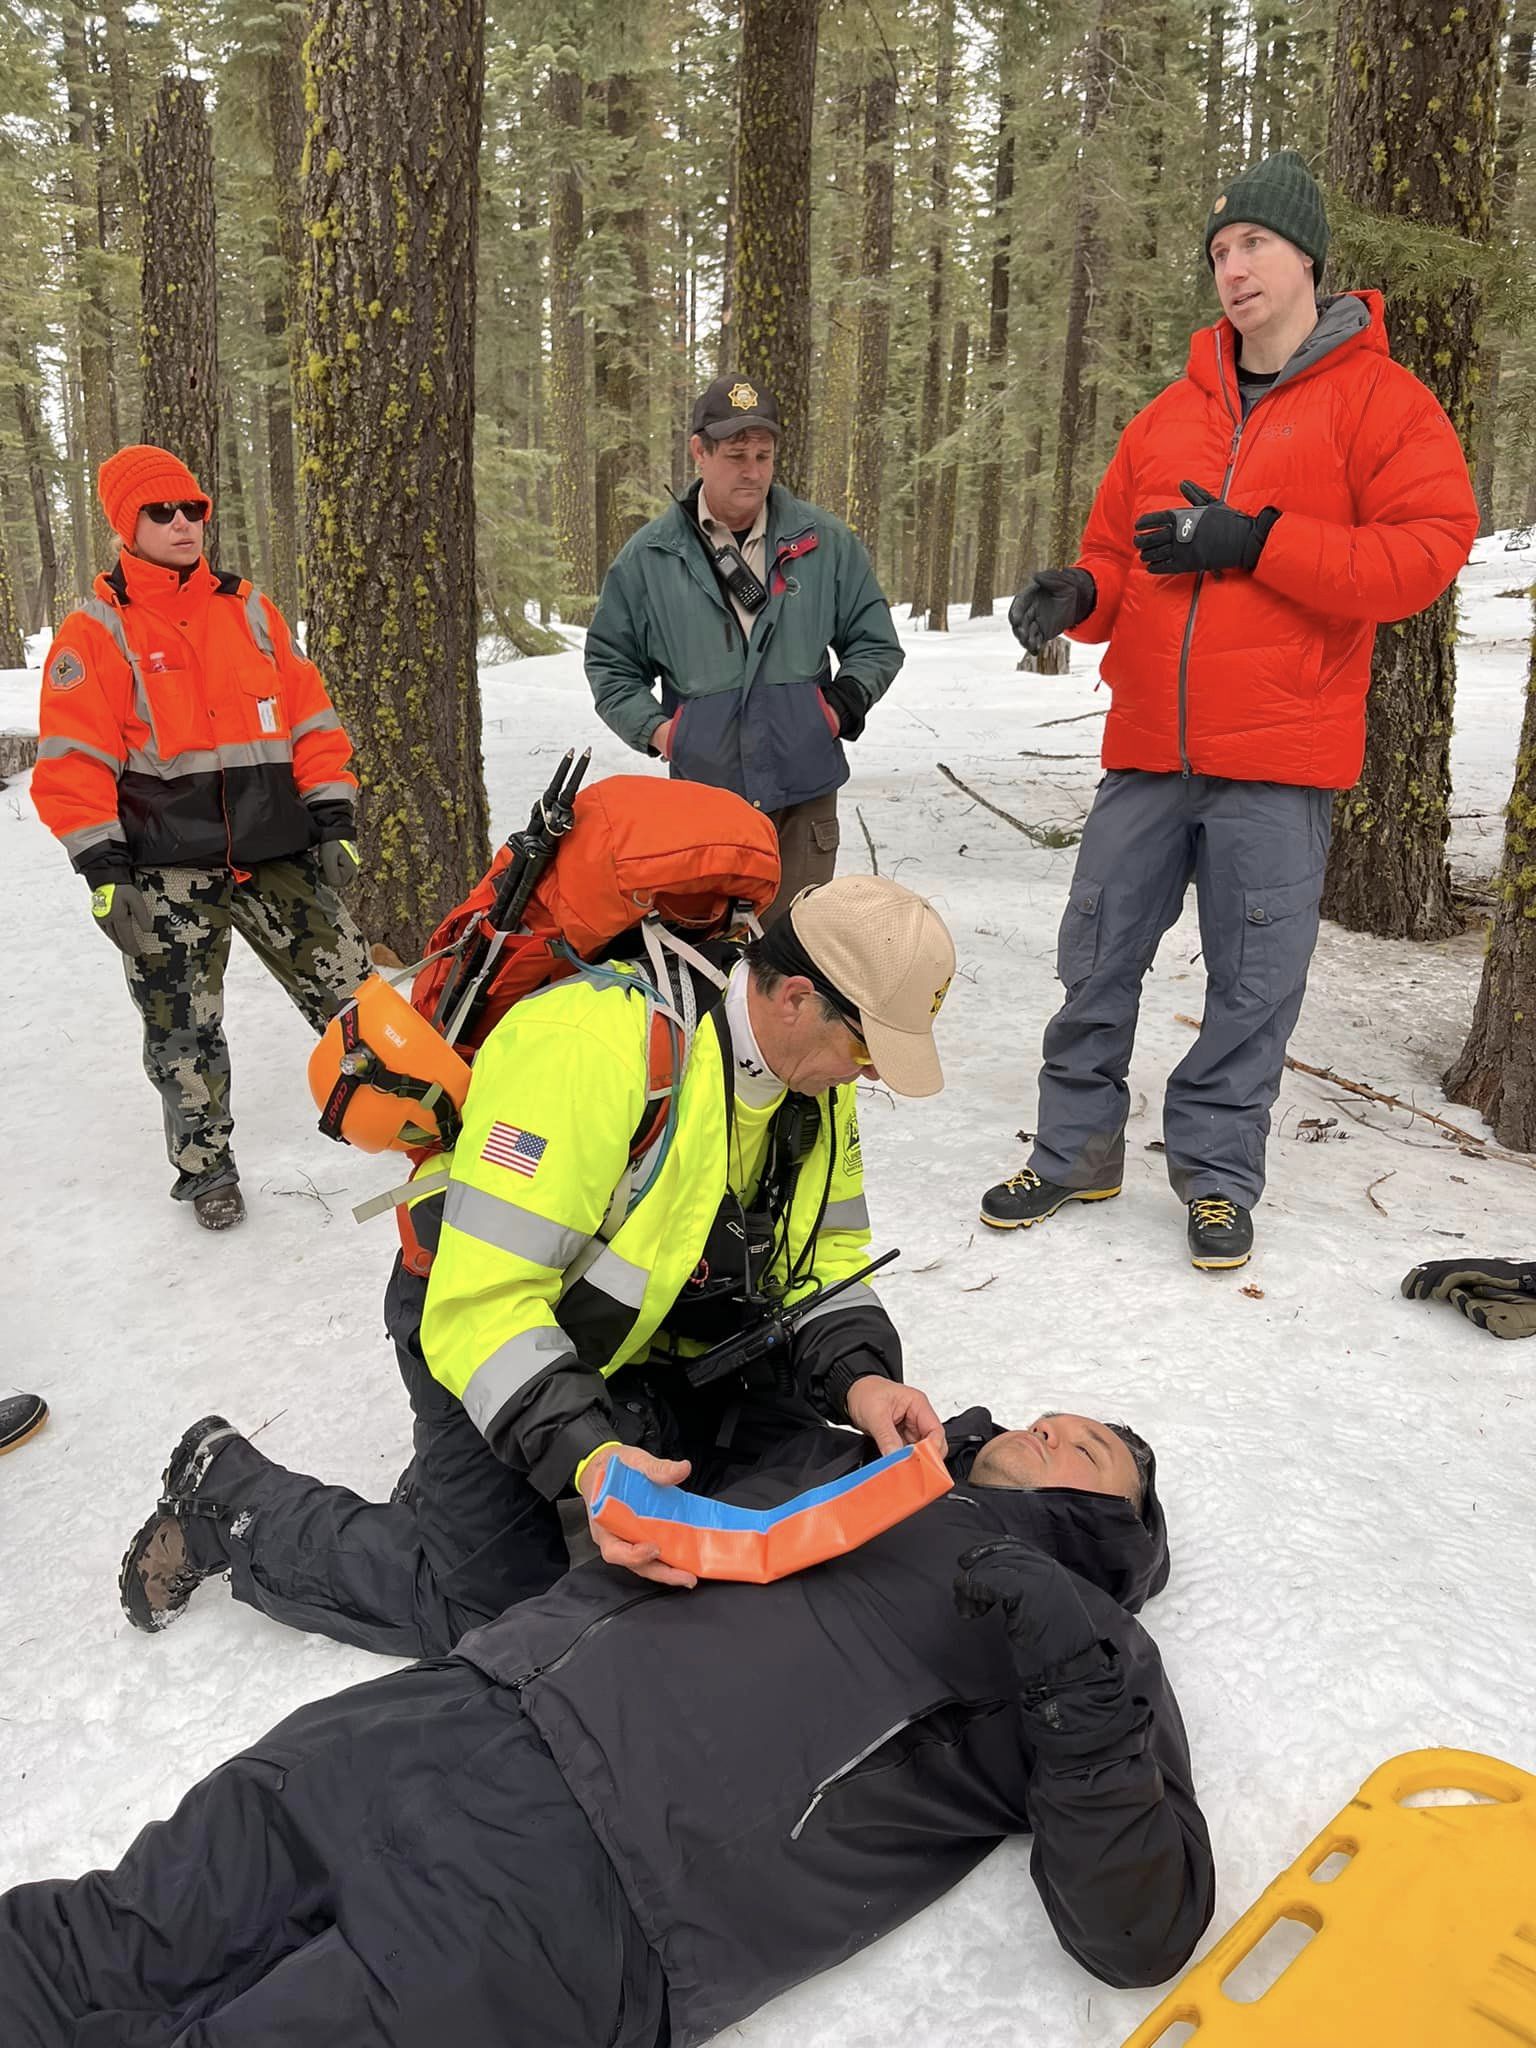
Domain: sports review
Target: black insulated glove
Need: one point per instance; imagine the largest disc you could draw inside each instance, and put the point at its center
(1496, 1295)
(1070, 1682)
(1210, 535)
(1051, 602)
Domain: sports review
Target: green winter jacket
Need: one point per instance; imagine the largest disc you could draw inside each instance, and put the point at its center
(751, 717)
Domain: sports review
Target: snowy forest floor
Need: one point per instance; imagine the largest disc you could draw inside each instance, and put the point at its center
(1347, 1474)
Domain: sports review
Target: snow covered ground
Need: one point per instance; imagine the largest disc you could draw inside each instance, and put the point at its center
(1347, 1475)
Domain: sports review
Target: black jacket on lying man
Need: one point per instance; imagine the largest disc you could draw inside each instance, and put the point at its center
(629, 1814)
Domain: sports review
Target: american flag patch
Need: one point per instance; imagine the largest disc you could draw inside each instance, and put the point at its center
(519, 1151)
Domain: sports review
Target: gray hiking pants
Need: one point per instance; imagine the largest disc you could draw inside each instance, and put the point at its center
(1256, 851)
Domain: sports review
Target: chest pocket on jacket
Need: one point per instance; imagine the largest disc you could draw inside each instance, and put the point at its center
(941, 1726)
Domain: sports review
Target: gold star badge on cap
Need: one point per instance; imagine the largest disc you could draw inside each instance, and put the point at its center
(742, 396)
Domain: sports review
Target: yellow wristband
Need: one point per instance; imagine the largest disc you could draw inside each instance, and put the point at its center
(611, 1445)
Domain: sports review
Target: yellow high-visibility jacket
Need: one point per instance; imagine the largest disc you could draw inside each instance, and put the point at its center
(557, 1094)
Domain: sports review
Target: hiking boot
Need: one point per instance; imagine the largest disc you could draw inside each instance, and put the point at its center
(220, 1208)
(171, 1555)
(21, 1416)
(1024, 1198)
(1220, 1233)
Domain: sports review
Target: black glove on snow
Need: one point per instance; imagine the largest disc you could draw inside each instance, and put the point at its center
(1498, 1295)
(1209, 536)
(1050, 602)
(1071, 1683)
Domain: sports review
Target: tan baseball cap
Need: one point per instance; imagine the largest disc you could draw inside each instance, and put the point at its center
(890, 953)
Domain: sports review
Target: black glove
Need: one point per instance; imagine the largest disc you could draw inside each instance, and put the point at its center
(120, 910)
(338, 862)
(1071, 1684)
(1050, 602)
(1210, 536)
(1498, 1295)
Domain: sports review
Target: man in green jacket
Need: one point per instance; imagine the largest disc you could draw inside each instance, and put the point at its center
(734, 600)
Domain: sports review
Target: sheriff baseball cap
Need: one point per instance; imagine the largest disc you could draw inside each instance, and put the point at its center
(733, 404)
(889, 953)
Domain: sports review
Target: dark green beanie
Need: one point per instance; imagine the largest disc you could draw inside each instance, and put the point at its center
(1280, 193)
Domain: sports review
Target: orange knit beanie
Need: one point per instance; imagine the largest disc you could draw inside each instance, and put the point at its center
(140, 476)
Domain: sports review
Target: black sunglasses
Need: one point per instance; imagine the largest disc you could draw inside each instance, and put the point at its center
(193, 509)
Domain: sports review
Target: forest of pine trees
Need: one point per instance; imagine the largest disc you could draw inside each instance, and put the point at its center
(422, 291)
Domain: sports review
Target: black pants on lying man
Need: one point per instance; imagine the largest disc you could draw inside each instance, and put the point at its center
(608, 1817)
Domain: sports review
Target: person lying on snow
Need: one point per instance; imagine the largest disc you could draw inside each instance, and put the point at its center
(625, 1814)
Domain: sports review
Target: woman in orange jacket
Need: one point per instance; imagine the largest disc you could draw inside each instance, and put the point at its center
(193, 768)
(1292, 491)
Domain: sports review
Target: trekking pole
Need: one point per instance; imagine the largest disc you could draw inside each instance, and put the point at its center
(531, 851)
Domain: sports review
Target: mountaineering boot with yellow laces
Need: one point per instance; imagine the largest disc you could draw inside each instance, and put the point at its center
(1024, 1198)
(1220, 1233)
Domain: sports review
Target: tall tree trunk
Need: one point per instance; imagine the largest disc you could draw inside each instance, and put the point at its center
(866, 461)
(94, 319)
(124, 194)
(926, 484)
(178, 312)
(1513, 95)
(12, 652)
(771, 291)
(622, 354)
(941, 557)
(1496, 1070)
(1070, 417)
(1024, 560)
(388, 424)
(234, 524)
(38, 460)
(838, 360)
(1412, 134)
(573, 501)
(1215, 74)
(989, 503)
(283, 97)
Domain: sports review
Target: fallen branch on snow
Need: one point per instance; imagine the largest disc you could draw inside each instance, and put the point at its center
(1076, 718)
(1038, 835)
(1482, 1148)
(874, 864)
(1370, 1193)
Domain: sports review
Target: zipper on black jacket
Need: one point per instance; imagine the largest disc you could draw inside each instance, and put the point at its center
(1238, 424)
(526, 1678)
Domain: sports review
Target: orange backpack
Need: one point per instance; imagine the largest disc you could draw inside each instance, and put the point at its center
(678, 861)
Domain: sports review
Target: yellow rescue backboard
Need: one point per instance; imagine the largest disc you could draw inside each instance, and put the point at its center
(1422, 1924)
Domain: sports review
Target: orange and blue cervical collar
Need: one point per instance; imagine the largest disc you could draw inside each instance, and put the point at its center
(715, 1541)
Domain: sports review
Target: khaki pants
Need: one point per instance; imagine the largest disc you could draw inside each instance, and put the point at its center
(808, 838)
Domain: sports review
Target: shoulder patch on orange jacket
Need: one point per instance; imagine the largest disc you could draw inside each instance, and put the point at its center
(65, 670)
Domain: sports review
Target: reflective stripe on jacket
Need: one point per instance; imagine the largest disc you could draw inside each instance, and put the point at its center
(557, 1093)
(1263, 677)
(180, 727)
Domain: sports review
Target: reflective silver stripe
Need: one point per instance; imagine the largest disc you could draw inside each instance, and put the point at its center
(76, 843)
(256, 619)
(204, 762)
(212, 760)
(324, 792)
(56, 746)
(509, 1369)
(319, 721)
(618, 1278)
(510, 1229)
(861, 1299)
(850, 1215)
(256, 754)
(109, 617)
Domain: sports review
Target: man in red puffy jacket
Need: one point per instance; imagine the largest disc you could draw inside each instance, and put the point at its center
(1292, 491)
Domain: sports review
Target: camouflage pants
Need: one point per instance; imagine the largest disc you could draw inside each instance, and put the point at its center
(301, 932)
